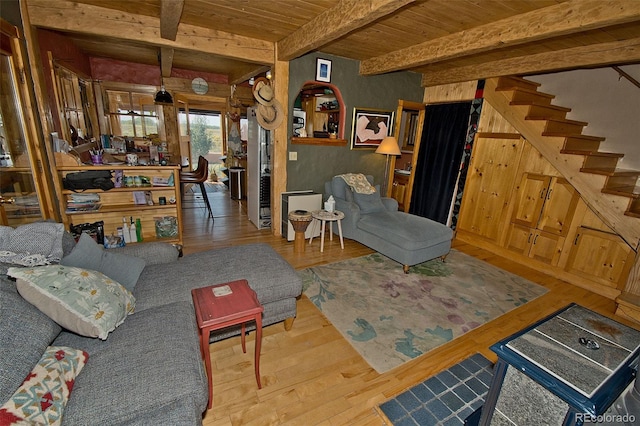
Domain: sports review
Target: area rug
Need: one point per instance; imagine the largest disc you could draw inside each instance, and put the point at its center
(391, 317)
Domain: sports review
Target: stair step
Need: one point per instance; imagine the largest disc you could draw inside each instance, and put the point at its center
(513, 81)
(531, 96)
(594, 153)
(624, 191)
(543, 112)
(571, 127)
(559, 120)
(634, 208)
(580, 142)
(611, 172)
(574, 137)
(602, 160)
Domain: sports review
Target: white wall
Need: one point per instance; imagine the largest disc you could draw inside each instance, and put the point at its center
(609, 103)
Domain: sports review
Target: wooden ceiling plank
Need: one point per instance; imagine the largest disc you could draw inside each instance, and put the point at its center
(344, 17)
(63, 15)
(170, 13)
(602, 54)
(166, 61)
(562, 19)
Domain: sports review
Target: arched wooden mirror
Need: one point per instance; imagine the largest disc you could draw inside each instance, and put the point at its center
(318, 115)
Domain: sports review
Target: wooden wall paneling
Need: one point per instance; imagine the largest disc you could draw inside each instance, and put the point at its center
(536, 163)
(450, 92)
(486, 204)
(492, 122)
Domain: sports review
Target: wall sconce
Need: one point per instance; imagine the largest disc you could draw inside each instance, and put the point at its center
(268, 75)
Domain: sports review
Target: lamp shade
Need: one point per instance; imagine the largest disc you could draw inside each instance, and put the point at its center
(163, 97)
(388, 146)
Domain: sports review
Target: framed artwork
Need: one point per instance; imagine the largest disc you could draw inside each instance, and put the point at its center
(370, 126)
(323, 70)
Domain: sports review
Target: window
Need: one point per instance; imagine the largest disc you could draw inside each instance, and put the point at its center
(76, 107)
(131, 114)
(205, 130)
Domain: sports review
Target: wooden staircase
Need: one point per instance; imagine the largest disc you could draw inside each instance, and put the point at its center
(612, 193)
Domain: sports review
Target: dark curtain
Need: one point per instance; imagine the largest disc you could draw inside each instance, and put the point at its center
(441, 149)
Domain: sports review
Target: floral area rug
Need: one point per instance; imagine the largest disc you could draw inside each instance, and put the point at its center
(391, 317)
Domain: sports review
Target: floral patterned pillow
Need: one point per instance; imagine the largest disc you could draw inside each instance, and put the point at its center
(43, 395)
(86, 302)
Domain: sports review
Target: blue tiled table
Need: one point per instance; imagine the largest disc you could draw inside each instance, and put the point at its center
(572, 364)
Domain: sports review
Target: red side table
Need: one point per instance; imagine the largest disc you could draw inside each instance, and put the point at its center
(218, 312)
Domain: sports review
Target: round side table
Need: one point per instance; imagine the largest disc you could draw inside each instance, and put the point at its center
(323, 216)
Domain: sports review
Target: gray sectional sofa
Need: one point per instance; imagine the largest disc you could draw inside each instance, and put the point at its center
(149, 370)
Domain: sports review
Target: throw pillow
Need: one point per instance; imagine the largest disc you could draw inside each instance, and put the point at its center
(37, 238)
(88, 254)
(369, 203)
(43, 395)
(86, 302)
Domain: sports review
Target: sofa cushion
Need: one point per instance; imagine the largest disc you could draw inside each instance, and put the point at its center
(270, 276)
(405, 230)
(369, 203)
(43, 395)
(37, 238)
(25, 333)
(84, 301)
(149, 363)
(88, 254)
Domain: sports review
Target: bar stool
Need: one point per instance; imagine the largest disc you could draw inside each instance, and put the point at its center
(199, 176)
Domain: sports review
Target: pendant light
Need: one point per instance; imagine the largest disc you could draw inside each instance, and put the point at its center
(163, 97)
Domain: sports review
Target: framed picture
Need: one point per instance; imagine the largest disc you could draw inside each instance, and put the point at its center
(370, 126)
(323, 70)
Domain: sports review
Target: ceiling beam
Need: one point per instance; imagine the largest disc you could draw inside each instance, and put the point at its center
(561, 19)
(597, 55)
(64, 15)
(333, 23)
(242, 77)
(166, 61)
(170, 13)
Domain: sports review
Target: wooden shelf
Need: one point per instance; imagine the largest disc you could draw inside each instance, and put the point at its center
(117, 203)
(117, 167)
(125, 208)
(318, 141)
(123, 189)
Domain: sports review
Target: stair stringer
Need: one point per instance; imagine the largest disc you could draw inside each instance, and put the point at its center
(608, 207)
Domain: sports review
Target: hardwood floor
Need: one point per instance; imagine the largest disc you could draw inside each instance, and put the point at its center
(311, 375)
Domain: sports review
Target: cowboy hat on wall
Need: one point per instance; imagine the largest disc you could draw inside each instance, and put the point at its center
(269, 112)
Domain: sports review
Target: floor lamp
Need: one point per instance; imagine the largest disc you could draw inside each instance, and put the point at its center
(388, 146)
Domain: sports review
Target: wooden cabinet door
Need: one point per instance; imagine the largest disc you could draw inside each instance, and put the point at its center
(546, 247)
(519, 239)
(532, 194)
(542, 246)
(600, 256)
(399, 190)
(487, 193)
(559, 206)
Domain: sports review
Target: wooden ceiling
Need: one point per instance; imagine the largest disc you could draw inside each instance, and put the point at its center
(445, 40)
